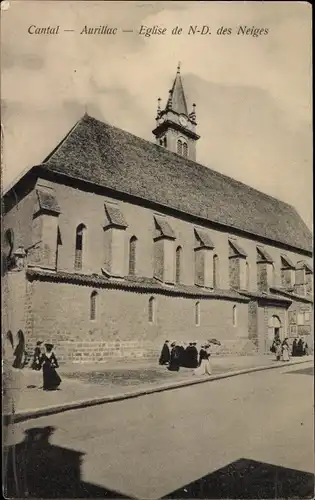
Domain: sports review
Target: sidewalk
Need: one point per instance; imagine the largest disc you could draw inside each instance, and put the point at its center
(87, 384)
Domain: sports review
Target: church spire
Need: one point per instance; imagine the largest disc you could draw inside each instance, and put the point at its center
(177, 100)
(176, 128)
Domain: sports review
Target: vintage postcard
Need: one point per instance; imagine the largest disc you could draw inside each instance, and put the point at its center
(157, 249)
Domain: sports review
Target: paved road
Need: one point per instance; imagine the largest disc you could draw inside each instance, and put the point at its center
(241, 435)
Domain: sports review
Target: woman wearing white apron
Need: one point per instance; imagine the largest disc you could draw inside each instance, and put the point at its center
(204, 367)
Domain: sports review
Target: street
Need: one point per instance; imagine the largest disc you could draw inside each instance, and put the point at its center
(249, 436)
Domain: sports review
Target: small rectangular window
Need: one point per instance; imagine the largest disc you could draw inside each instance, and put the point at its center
(300, 319)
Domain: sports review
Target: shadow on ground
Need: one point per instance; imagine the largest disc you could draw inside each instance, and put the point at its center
(249, 479)
(303, 371)
(37, 469)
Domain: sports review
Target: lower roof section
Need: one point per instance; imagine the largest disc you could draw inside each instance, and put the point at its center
(292, 296)
(267, 297)
(133, 283)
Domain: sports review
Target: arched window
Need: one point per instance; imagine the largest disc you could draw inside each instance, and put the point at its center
(178, 264)
(10, 338)
(161, 142)
(247, 275)
(185, 149)
(151, 310)
(79, 247)
(93, 305)
(234, 316)
(216, 276)
(132, 255)
(179, 147)
(197, 314)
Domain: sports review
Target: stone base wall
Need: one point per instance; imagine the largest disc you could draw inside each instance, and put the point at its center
(98, 352)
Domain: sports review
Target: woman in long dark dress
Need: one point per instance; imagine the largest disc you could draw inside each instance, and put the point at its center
(175, 358)
(165, 354)
(36, 363)
(51, 379)
(19, 352)
(300, 347)
(194, 356)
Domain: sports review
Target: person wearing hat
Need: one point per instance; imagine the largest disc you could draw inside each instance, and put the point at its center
(165, 354)
(182, 354)
(36, 363)
(51, 379)
(191, 356)
(194, 355)
(175, 358)
(204, 367)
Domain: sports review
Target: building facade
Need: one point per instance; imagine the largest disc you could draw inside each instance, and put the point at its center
(114, 243)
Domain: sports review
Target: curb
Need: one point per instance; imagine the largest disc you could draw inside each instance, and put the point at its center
(51, 410)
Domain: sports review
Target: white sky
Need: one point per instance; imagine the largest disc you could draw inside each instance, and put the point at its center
(253, 95)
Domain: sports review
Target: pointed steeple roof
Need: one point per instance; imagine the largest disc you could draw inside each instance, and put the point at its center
(177, 99)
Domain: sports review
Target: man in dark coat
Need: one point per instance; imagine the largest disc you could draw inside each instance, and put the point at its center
(165, 354)
(191, 356)
(182, 355)
(175, 358)
(194, 355)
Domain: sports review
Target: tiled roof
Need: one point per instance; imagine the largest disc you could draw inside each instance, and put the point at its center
(237, 248)
(265, 296)
(110, 157)
(288, 262)
(304, 265)
(291, 295)
(264, 255)
(115, 216)
(204, 238)
(47, 201)
(135, 283)
(164, 227)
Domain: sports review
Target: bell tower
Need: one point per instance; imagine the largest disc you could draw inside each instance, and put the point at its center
(175, 127)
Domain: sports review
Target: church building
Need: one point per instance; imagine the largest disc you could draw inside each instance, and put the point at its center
(113, 244)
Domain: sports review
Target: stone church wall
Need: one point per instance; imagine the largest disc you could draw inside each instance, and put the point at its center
(61, 315)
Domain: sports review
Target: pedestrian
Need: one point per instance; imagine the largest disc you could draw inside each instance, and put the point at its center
(175, 358)
(19, 352)
(300, 347)
(204, 367)
(165, 354)
(306, 349)
(36, 363)
(194, 355)
(51, 379)
(182, 354)
(285, 350)
(191, 356)
(278, 348)
(294, 348)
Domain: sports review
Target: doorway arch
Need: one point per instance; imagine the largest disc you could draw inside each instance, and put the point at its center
(274, 329)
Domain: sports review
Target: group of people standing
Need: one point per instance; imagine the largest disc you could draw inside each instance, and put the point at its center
(299, 348)
(175, 355)
(283, 351)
